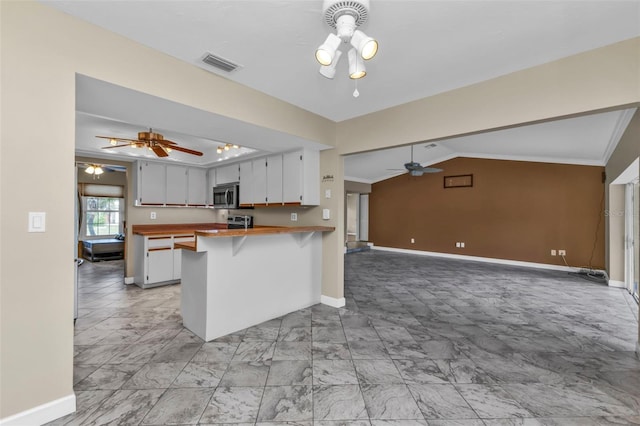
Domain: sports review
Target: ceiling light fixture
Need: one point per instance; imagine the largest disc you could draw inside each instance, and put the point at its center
(94, 169)
(226, 147)
(346, 16)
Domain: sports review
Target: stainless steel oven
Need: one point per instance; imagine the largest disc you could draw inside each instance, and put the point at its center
(226, 196)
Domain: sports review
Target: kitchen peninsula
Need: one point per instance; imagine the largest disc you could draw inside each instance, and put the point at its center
(236, 278)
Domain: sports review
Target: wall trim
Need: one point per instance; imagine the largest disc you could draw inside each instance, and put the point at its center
(332, 301)
(129, 280)
(480, 259)
(43, 413)
(638, 349)
(621, 125)
(617, 284)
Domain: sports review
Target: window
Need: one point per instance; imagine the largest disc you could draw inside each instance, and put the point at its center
(102, 215)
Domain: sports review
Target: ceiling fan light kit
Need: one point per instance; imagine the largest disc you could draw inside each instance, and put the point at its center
(153, 141)
(346, 16)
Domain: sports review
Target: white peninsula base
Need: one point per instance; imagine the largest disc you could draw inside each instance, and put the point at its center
(233, 282)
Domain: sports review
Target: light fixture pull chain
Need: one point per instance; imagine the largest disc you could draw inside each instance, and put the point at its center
(355, 92)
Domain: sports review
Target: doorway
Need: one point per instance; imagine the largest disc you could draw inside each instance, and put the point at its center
(632, 237)
(99, 217)
(357, 222)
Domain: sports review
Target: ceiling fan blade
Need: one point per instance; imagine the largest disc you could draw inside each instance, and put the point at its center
(160, 151)
(119, 139)
(115, 146)
(397, 170)
(185, 150)
(431, 170)
(166, 142)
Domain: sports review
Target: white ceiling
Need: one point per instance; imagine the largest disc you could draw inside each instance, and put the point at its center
(426, 47)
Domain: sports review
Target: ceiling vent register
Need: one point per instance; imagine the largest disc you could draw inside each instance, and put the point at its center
(220, 63)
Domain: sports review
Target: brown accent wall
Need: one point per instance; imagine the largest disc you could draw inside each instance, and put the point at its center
(515, 210)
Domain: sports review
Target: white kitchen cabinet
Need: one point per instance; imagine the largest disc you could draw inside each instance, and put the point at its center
(197, 187)
(176, 185)
(274, 179)
(301, 177)
(227, 174)
(211, 182)
(259, 182)
(177, 254)
(150, 183)
(154, 260)
(246, 184)
(159, 265)
(158, 262)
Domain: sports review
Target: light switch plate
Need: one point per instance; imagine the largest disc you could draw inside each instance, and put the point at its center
(327, 193)
(326, 214)
(37, 221)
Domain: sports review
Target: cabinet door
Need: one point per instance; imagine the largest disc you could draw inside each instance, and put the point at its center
(197, 187)
(246, 183)
(274, 179)
(227, 174)
(159, 265)
(292, 177)
(176, 185)
(259, 181)
(177, 254)
(211, 179)
(151, 183)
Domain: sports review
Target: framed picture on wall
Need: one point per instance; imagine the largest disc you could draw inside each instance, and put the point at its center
(458, 181)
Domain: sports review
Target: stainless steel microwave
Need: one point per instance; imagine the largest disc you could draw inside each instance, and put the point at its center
(226, 196)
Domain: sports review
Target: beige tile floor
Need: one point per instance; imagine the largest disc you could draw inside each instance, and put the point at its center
(421, 341)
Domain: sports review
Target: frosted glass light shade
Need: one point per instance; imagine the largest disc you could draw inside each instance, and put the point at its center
(356, 65)
(327, 50)
(367, 47)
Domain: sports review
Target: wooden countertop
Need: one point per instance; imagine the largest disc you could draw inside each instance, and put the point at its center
(175, 228)
(256, 230)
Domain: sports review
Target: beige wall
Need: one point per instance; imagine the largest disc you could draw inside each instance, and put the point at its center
(42, 50)
(626, 152)
(357, 187)
(603, 78)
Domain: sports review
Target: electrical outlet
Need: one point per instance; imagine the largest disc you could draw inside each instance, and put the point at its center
(294, 217)
(562, 252)
(413, 241)
(553, 252)
(458, 245)
(153, 215)
(462, 245)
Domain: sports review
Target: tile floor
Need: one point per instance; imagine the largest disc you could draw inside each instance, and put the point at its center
(421, 341)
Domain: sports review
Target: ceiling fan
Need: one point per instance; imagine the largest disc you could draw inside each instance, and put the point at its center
(154, 141)
(416, 169)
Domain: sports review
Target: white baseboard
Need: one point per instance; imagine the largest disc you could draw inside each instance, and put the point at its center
(480, 259)
(332, 301)
(617, 284)
(129, 280)
(44, 413)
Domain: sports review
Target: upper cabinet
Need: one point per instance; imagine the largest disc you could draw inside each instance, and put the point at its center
(290, 179)
(246, 184)
(273, 182)
(176, 185)
(301, 178)
(159, 184)
(227, 174)
(150, 183)
(197, 192)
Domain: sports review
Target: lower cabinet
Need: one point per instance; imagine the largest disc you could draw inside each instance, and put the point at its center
(158, 262)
